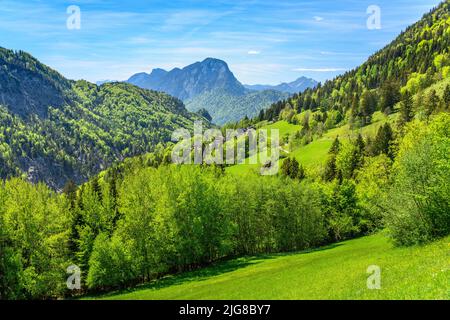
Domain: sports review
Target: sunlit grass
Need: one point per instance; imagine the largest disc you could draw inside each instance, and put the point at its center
(335, 272)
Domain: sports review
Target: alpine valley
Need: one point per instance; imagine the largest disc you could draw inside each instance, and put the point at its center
(359, 208)
(210, 85)
(55, 130)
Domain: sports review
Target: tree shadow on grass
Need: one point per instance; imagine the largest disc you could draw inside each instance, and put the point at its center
(215, 269)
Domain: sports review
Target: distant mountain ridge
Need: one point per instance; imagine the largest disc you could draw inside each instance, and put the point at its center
(192, 80)
(211, 85)
(101, 82)
(299, 85)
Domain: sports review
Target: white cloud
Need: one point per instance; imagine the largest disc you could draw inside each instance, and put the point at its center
(177, 21)
(253, 52)
(317, 18)
(320, 69)
(139, 40)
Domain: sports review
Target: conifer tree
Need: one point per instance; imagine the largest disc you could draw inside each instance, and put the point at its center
(446, 97)
(383, 141)
(335, 146)
(406, 109)
(70, 190)
(389, 96)
(431, 103)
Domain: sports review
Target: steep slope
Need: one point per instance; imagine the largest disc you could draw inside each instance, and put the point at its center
(28, 87)
(209, 85)
(334, 272)
(224, 107)
(416, 59)
(299, 85)
(149, 81)
(186, 83)
(53, 129)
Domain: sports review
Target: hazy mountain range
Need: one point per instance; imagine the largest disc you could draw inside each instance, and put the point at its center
(299, 85)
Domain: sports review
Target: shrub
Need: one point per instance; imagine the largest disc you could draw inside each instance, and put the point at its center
(419, 204)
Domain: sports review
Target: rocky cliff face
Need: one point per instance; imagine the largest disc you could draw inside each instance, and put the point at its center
(191, 81)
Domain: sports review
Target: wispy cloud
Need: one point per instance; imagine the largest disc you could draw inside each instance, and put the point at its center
(191, 19)
(263, 41)
(319, 69)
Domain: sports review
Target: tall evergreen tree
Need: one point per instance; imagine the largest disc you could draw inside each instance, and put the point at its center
(446, 97)
(431, 103)
(334, 149)
(70, 190)
(383, 140)
(406, 108)
(368, 105)
(330, 171)
(389, 96)
(96, 188)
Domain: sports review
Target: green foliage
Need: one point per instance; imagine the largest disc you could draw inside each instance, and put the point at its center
(330, 172)
(142, 219)
(431, 103)
(342, 210)
(368, 106)
(55, 130)
(331, 272)
(406, 109)
(225, 107)
(389, 96)
(446, 97)
(419, 207)
(33, 256)
(350, 158)
(293, 169)
(416, 59)
(415, 83)
(383, 142)
(110, 264)
(373, 181)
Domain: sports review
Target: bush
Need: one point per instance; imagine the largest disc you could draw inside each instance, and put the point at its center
(110, 264)
(419, 206)
(33, 238)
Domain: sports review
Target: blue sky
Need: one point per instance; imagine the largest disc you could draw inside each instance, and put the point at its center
(263, 41)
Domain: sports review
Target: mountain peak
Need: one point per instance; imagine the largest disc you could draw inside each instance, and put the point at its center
(158, 72)
(194, 79)
(210, 60)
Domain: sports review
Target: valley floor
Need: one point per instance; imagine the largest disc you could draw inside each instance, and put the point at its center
(338, 271)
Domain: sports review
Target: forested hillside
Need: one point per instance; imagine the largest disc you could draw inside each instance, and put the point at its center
(210, 85)
(417, 58)
(385, 166)
(55, 130)
(224, 107)
(145, 218)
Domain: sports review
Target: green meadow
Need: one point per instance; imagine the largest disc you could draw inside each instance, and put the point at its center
(337, 271)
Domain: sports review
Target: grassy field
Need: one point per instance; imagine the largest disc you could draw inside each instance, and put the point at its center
(337, 271)
(314, 154)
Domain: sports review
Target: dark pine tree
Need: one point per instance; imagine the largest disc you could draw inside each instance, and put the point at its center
(96, 188)
(335, 147)
(406, 109)
(70, 190)
(446, 97)
(389, 96)
(383, 141)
